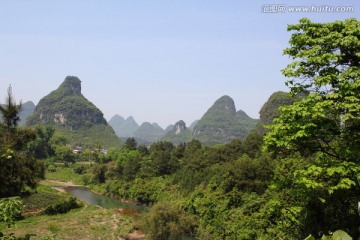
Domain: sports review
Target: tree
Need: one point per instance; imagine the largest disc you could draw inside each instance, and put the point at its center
(269, 111)
(327, 65)
(64, 154)
(128, 163)
(10, 209)
(325, 124)
(57, 139)
(41, 146)
(252, 144)
(19, 170)
(10, 112)
(167, 221)
(99, 172)
(131, 143)
(161, 160)
(18, 167)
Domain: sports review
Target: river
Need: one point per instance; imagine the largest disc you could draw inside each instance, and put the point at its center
(86, 195)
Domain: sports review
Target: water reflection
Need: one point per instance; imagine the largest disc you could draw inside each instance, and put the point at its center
(84, 194)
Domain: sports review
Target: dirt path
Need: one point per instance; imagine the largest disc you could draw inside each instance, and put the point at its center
(61, 183)
(136, 235)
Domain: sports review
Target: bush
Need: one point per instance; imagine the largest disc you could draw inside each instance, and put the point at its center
(167, 221)
(152, 190)
(10, 210)
(79, 169)
(62, 206)
(51, 168)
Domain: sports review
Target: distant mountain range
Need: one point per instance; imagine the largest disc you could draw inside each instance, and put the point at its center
(220, 124)
(70, 113)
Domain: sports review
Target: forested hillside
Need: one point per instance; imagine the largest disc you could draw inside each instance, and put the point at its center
(221, 123)
(71, 114)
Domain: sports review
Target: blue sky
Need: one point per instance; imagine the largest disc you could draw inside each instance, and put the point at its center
(156, 60)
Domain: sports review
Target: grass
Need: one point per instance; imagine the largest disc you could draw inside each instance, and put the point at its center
(53, 228)
(89, 222)
(65, 174)
(44, 197)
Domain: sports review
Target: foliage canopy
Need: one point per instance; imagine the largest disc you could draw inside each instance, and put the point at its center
(324, 126)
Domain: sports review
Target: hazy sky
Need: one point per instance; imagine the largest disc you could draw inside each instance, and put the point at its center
(156, 60)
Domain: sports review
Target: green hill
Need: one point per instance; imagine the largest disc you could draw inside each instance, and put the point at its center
(149, 132)
(269, 110)
(193, 124)
(221, 123)
(169, 128)
(70, 113)
(244, 121)
(179, 134)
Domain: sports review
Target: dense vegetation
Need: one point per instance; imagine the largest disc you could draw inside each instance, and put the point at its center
(19, 170)
(302, 180)
(298, 178)
(102, 135)
(269, 110)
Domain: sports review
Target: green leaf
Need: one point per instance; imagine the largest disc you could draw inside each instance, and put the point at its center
(310, 237)
(341, 235)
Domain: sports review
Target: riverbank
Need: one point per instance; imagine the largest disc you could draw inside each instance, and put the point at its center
(62, 183)
(59, 185)
(88, 222)
(123, 211)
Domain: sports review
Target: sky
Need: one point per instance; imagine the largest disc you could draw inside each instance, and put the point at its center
(156, 60)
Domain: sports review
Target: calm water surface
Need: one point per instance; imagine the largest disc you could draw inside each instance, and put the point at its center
(86, 195)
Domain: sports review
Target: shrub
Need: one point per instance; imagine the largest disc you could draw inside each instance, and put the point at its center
(167, 221)
(62, 206)
(10, 210)
(51, 168)
(79, 169)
